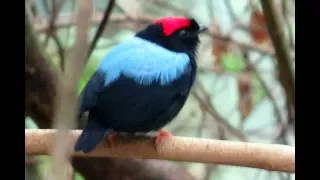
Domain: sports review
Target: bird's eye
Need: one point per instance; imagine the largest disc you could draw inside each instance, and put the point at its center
(182, 32)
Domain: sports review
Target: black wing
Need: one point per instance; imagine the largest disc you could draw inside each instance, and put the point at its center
(89, 95)
(129, 107)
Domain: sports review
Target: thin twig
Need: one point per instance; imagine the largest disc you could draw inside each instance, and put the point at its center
(54, 13)
(265, 87)
(211, 8)
(286, 9)
(51, 31)
(166, 5)
(206, 104)
(63, 21)
(101, 27)
(230, 10)
(68, 35)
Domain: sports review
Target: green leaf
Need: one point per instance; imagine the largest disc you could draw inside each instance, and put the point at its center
(258, 91)
(77, 176)
(232, 63)
(30, 124)
(91, 67)
(87, 73)
(44, 163)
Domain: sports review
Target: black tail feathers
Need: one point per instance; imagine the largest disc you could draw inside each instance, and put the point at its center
(90, 137)
(88, 141)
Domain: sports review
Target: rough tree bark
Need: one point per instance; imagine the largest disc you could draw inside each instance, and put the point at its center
(271, 157)
(40, 83)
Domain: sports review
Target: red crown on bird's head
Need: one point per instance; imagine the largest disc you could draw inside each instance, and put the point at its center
(172, 24)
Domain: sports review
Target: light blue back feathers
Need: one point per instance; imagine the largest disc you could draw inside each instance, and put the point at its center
(143, 61)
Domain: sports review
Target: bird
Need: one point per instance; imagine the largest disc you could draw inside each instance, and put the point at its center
(141, 84)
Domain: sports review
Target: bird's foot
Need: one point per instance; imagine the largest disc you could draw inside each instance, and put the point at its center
(162, 135)
(112, 136)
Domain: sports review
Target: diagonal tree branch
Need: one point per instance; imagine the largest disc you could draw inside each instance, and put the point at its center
(286, 72)
(63, 21)
(40, 78)
(101, 27)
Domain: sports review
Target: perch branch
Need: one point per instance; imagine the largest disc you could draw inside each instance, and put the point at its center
(264, 156)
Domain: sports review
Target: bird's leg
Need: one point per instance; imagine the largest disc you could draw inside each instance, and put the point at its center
(161, 135)
(112, 136)
(127, 133)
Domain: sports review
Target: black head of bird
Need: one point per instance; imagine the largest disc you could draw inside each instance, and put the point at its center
(179, 34)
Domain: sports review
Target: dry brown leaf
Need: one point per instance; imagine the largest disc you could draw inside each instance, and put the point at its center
(245, 94)
(257, 27)
(219, 48)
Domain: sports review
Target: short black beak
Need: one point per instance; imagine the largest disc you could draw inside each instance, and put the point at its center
(202, 29)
